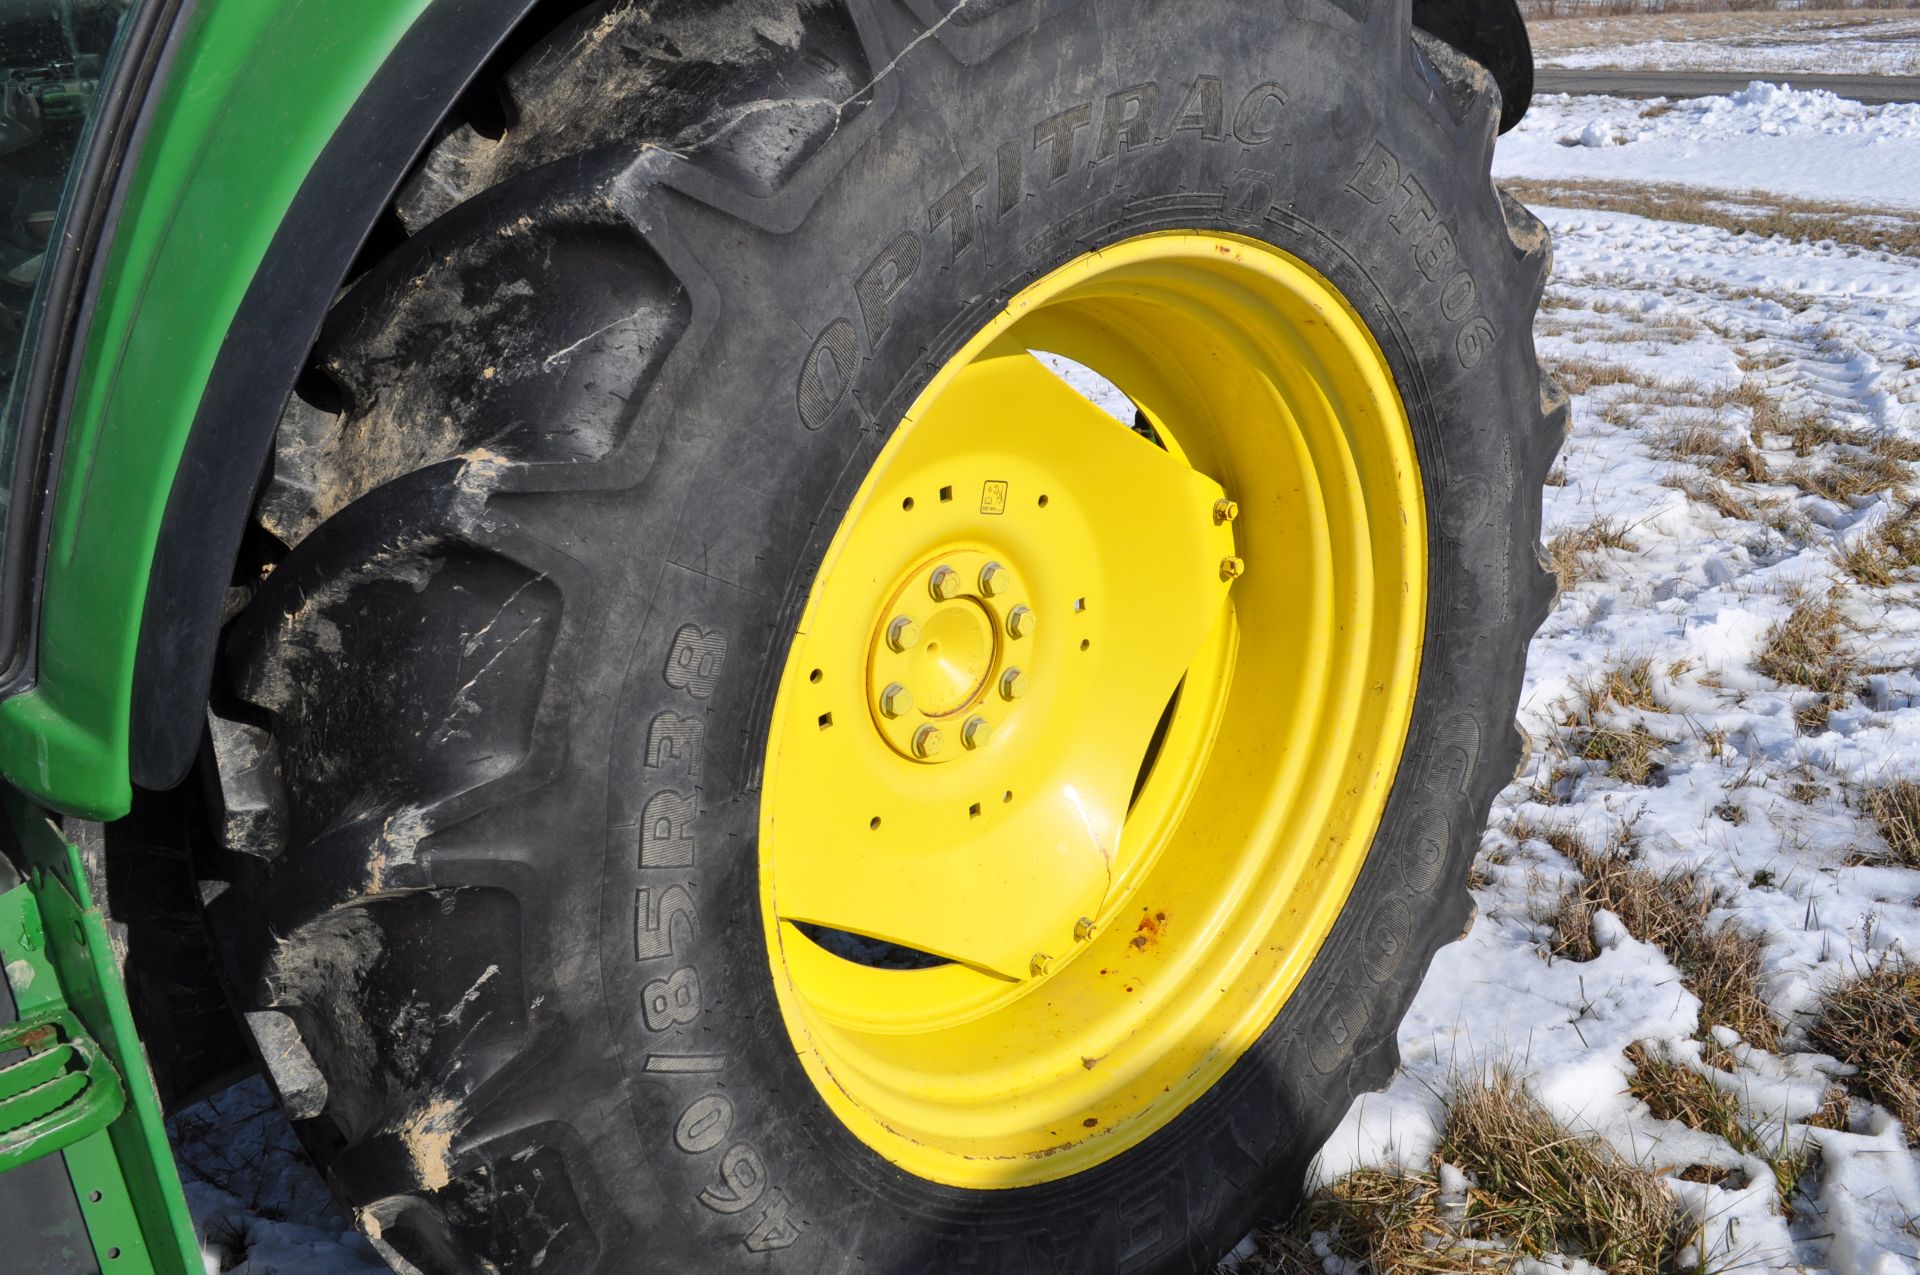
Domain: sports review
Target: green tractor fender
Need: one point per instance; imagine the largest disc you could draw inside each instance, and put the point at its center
(272, 136)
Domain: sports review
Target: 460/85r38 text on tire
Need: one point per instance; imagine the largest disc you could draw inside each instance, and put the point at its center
(597, 907)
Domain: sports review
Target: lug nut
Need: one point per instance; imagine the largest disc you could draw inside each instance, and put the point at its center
(944, 583)
(1013, 684)
(926, 741)
(1041, 964)
(902, 633)
(976, 732)
(1020, 621)
(1232, 568)
(1083, 929)
(993, 578)
(896, 700)
(1225, 510)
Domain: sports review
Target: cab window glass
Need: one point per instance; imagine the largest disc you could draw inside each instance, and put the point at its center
(53, 54)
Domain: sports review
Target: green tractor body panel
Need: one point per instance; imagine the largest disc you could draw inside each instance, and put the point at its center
(253, 93)
(248, 95)
(81, 1089)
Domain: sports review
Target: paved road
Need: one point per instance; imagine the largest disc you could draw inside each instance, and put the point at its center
(1863, 88)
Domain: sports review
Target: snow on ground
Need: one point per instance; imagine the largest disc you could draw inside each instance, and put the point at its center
(260, 1208)
(1889, 46)
(1805, 143)
(1762, 809)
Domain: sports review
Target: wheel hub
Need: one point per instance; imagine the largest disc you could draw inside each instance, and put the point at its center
(943, 668)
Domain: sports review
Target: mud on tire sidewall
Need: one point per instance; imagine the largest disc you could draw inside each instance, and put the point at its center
(1334, 141)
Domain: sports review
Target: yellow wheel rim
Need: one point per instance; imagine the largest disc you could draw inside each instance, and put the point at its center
(1103, 724)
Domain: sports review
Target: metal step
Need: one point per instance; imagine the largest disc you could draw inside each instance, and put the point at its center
(57, 1086)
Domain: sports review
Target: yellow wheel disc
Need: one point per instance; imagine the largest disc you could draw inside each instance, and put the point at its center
(1087, 729)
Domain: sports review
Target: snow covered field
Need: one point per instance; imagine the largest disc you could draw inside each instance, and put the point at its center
(1722, 699)
(1812, 145)
(1831, 44)
(1741, 464)
(260, 1208)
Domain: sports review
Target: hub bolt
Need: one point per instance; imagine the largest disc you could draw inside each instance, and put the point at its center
(1041, 964)
(1020, 621)
(926, 741)
(1083, 929)
(1232, 568)
(896, 700)
(1225, 510)
(944, 583)
(993, 578)
(1013, 683)
(902, 633)
(976, 732)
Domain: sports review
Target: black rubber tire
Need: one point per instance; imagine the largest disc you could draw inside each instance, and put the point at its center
(555, 494)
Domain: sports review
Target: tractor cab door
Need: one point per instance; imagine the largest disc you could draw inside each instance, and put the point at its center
(67, 105)
(86, 1182)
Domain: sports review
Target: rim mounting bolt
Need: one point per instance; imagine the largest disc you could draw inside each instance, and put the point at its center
(1013, 684)
(976, 732)
(944, 583)
(1020, 621)
(1042, 963)
(902, 633)
(1083, 929)
(896, 700)
(1232, 568)
(1225, 510)
(927, 741)
(993, 578)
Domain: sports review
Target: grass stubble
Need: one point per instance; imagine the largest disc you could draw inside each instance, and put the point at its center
(1534, 1188)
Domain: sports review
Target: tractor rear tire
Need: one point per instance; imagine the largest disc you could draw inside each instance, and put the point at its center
(491, 732)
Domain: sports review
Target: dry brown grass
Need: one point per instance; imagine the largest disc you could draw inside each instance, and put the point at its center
(1717, 496)
(1881, 558)
(1545, 789)
(1894, 808)
(1844, 480)
(1628, 683)
(1809, 648)
(1570, 554)
(1630, 752)
(1721, 965)
(1860, 225)
(1674, 1091)
(1833, 1109)
(1802, 429)
(1873, 1022)
(1715, 1054)
(1870, 463)
(1561, 26)
(1894, 447)
(1778, 512)
(1806, 791)
(1724, 457)
(1544, 1189)
(1584, 375)
(1536, 1189)
(1387, 1221)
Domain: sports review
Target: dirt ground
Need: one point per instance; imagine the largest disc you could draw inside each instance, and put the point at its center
(1556, 36)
